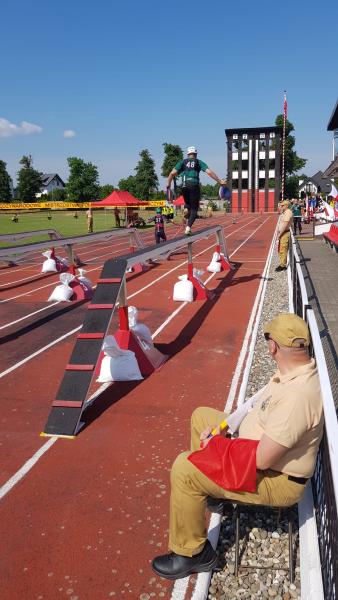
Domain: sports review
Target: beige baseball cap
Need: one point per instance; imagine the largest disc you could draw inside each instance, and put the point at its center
(288, 330)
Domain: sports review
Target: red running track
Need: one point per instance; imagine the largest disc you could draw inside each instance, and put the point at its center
(87, 519)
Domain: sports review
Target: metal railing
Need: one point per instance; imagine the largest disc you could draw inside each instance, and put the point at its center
(325, 478)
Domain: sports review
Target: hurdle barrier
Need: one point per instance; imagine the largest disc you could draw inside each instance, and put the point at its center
(72, 396)
(16, 254)
(15, 237)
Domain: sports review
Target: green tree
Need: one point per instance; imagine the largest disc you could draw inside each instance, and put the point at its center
(83, 181)
(105, 190)
(292, 186)
(128, 185)
(209, 190)
(172, 154)
(29, 180)
(57, 195)
(146, 180)
(5, 183)
(292, 161)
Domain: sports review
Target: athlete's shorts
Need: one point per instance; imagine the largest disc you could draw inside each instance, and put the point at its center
(160, 235)
(192, 196)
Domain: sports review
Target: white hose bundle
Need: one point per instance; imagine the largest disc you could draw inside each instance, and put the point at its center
(63, 292)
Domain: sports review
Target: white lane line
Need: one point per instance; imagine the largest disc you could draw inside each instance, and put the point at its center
(34, 459)
(94, 269)
(91, 250)
(26, 467)
(28, 358)
(173, 314)
(246, 340)
(203, 579)
(29, 292)
(29, 315)
(4, 285)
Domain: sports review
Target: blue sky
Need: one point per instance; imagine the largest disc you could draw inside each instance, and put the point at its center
(123, 76)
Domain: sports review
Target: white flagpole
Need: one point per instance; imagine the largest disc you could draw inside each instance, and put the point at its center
(283, 145)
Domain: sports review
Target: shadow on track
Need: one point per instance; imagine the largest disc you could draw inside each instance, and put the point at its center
(34, 279)
(47, 319)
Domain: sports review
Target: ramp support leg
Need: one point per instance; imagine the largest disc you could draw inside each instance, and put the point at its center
(222, 251)
(200, 291)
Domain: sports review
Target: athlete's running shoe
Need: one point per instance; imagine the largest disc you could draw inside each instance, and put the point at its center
(188, 230)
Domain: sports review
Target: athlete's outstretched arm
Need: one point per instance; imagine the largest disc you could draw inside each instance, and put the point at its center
(215, 177)
(172, 174)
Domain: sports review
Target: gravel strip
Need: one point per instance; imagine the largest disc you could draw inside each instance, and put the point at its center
(263, 537)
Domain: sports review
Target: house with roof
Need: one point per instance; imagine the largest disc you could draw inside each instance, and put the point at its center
(50, 182)
(317, 184)
(332, 169)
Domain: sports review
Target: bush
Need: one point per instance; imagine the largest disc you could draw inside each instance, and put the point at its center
(212, 205)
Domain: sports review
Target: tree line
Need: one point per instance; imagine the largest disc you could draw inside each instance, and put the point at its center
(83, 181)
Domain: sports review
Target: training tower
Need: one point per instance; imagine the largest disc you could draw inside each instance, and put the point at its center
(254, 168)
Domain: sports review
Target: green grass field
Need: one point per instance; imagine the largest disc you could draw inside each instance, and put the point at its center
(63, 221)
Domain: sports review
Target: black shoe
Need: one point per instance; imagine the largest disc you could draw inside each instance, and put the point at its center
(279, 268)
(176, 566)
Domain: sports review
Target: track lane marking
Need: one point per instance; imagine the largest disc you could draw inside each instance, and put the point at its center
(28, 465)
(23, 361)
(54, 283)
(143, 235)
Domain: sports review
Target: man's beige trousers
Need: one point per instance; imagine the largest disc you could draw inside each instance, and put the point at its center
(283, 248)
(189, 489)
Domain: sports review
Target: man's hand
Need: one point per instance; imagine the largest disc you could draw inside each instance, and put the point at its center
(206, 436)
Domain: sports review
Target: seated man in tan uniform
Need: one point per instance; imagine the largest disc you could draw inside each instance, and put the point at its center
(287, 420)
(284, 226)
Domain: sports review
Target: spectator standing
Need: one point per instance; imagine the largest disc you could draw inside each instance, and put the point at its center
(190, 169)
(284, 224)
(297, 216)
(311, 206)
(117, 217)
(89, 215)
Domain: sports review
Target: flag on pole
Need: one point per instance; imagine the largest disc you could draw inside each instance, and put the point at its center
(334, 192)
(285, 107)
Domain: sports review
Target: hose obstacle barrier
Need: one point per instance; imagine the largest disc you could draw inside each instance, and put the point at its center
(71, 398)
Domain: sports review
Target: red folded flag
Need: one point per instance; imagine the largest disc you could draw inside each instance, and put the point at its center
(231, 464)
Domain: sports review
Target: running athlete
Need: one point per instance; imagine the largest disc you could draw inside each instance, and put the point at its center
(190, 169)
(159, 226)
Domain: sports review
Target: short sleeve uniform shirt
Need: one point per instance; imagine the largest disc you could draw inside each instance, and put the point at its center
(190, 168)
(285, 218)
(290, 413)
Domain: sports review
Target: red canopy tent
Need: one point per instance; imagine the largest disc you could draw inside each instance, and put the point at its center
(179, 201)
(118, 198)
